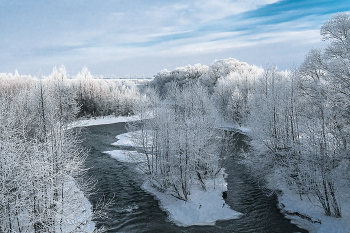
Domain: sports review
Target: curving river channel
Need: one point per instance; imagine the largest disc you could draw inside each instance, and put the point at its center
(134, 210)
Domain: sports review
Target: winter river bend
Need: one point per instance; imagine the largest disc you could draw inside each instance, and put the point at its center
(134, 210)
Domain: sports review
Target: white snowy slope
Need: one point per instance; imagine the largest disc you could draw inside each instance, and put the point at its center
(108, 120)
(129, 157)
(73, 212)
(120, 155)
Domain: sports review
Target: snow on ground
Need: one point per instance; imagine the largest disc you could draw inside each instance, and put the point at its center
(124, 140)
(73, 213)
(104, 120)
(77, 210)
(291, 202)
(120, 155)
(202, 207)
(130, 139)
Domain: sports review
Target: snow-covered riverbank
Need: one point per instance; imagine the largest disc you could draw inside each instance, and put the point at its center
(104, 120)
(306, 213)
(202, 207)
(77, 210)
(73, 212)
(309, 215)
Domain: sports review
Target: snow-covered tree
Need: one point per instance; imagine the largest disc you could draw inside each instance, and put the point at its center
(182, 76)
(40, 158)
(232, 90)
(180, 141)
(300, 121)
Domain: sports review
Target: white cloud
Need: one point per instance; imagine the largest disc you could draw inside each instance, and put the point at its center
(195, 46)
(208, 10)
(211, 43)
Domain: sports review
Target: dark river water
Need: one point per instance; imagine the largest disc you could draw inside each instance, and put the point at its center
(135, 210)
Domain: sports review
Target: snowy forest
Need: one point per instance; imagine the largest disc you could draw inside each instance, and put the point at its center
(297, 123)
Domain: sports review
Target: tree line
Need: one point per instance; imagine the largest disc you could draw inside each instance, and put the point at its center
(94, 96)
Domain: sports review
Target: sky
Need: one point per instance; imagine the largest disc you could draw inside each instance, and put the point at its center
(142, 37)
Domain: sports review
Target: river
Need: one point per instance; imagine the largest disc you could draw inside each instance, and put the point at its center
(135, 210)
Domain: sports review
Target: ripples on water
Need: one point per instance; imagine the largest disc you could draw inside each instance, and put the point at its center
(137, 211)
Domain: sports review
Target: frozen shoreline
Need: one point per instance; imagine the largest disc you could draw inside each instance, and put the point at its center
(202, 207)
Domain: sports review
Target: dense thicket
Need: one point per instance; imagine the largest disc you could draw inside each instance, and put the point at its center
(40, 157)
(180, 140)
(182, 76)
(94, 97)
(229, 82)
(102, 97)
(232, 84)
